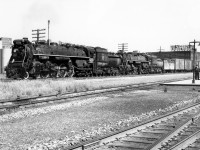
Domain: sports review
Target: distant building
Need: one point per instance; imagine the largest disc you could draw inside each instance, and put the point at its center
(5, 52)
(6, 42)
(179, 52)
(173, 54)
(181, 47)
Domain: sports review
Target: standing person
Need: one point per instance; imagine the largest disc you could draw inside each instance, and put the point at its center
(196, 70)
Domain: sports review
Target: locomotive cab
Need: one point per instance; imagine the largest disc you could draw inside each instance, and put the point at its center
(101, 61)
(102, 57)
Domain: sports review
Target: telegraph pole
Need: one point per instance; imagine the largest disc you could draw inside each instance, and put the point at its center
(160, 49)
(38, 33)
(48, 32)
(122, 47)
(194, 57)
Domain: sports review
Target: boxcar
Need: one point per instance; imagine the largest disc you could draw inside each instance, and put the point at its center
(169, 65)
(188, 65)
(179, 65)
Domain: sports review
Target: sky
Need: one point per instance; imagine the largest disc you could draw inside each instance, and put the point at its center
(144, 24)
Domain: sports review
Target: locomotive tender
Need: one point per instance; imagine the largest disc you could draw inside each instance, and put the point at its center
(40, 60)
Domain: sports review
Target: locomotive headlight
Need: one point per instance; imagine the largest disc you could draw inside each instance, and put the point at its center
(15, 50)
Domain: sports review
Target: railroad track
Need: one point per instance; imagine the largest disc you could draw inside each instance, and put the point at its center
(82, 78)
(169, 132)
(187, 139)
(190, 143)
(15, 103)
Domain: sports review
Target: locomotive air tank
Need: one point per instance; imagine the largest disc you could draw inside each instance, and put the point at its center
(114, 61)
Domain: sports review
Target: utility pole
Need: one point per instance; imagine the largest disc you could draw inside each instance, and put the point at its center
(160, 49)
(38, 33)
(48, 32)
(122, 47)
(194, 57)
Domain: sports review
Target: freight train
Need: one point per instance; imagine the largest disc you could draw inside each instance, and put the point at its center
(42, 60)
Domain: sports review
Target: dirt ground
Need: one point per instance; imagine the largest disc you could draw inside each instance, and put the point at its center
(88, 114)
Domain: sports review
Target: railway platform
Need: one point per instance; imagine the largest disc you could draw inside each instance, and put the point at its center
(185, 85)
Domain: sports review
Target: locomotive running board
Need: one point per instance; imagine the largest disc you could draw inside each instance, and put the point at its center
(61, 56)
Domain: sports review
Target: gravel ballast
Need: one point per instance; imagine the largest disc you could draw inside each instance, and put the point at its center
(52, 126)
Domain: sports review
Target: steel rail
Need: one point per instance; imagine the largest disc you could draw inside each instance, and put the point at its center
(92, 77)
(170, 136)
(82, 78)
(185, 142)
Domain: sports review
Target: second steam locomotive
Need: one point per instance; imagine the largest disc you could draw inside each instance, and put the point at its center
(41, 60)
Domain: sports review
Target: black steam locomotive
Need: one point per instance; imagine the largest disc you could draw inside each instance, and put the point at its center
(40, 60)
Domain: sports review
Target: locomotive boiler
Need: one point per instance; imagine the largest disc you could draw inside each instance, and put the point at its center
(42, 60)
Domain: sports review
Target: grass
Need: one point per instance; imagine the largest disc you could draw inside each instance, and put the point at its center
(31, 88)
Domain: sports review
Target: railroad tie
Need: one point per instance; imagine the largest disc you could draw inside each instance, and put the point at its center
(127, 145)
(137, 140)
(155, 131)
(146, 136)
(162, 128)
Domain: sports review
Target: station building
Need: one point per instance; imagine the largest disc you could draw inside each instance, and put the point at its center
(5, 52)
